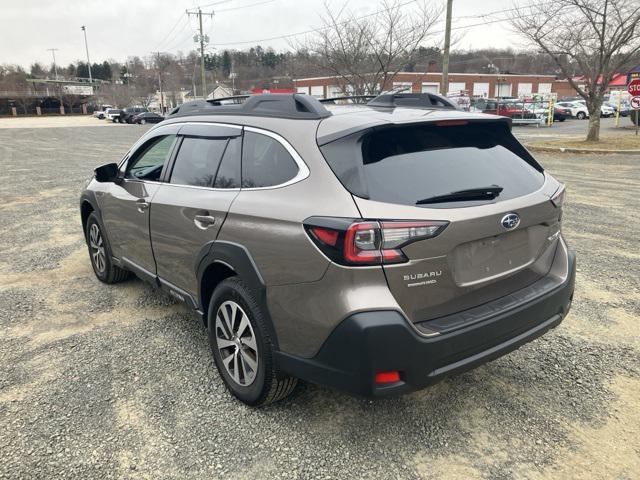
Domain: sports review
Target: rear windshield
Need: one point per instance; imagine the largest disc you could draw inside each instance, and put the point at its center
(407, 164)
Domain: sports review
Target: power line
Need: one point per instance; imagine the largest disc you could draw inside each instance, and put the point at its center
(282, 37)
(244, 6)
(181, 18)
(186, 23)
(318, 29)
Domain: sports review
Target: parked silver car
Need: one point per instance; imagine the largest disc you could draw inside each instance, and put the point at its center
(374, 248)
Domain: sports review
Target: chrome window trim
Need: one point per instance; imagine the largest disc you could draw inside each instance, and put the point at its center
(197, 187)
(215, 124)
(303, 169)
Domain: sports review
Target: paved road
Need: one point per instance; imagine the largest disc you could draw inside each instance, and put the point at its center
(117, 381)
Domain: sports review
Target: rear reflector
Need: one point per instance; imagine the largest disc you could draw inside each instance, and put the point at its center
(326, 235)
(388, 377)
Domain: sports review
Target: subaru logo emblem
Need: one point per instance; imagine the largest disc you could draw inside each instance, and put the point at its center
(510, 221)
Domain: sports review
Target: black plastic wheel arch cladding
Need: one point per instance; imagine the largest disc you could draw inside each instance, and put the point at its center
(239, 259)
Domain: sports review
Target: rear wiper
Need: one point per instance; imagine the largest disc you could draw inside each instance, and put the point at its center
(483, 193)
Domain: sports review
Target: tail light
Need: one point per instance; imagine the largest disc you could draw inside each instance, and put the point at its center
(354, 242)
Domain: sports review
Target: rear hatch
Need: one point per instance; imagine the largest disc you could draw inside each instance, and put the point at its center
(502, 227)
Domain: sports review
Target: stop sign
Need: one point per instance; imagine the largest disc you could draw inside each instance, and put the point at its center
(634, 87)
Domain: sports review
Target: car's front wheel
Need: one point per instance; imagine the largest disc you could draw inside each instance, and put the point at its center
(242, 347)
(581, 116)
(142, 121)
(100, 253)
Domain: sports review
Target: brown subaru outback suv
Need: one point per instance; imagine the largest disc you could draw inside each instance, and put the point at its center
(375, 248)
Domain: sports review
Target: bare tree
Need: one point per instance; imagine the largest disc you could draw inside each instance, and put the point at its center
(598, 37)
(365, 53)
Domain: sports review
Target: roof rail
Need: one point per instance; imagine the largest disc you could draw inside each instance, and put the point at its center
(424, 100)
(228, 100)
(293, 106)
(333, 100)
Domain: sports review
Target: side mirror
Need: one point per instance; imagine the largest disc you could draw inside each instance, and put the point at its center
(107, 173)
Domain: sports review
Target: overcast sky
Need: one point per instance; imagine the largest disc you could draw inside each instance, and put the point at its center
(117, 29)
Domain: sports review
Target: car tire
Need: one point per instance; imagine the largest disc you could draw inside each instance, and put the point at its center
(581, 115)
(100, 253)
(142, 121)
(237, 329)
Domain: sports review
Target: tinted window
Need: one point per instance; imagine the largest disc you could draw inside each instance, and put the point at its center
(265, 162)
(198, 161)
(406, 164)
(147, 162)
(228, 175)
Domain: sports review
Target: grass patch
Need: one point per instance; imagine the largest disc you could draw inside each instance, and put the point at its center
(628, 141)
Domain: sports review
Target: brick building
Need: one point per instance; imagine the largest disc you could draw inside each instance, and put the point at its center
(475, 84)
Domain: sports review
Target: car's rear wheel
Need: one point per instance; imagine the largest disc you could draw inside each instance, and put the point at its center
(142, 121)
(242, 347)
(581, 116)
(100, 253)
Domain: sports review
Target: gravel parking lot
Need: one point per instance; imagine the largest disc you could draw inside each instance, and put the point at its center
(118, 382)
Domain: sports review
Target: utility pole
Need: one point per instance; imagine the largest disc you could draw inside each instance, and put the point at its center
(86, 46)
(203, 40)
(160, 84)
(55, 67)
(444, 86)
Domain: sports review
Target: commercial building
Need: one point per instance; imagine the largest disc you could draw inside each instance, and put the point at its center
(474, 84)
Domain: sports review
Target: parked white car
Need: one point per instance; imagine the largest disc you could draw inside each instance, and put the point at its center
(101, 113)
(111, 113)
(605, 110)
(578, 110)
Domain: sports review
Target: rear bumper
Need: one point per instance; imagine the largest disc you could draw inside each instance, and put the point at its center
(371, 342)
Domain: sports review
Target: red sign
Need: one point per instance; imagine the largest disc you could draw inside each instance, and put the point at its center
(634, 87)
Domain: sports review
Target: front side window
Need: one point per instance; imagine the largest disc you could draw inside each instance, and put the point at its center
(147, 162)
(198, 161)
(265, 162)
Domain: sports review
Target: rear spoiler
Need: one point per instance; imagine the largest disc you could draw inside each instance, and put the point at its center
(324, 139)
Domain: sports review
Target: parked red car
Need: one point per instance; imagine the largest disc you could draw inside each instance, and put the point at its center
(504, 108)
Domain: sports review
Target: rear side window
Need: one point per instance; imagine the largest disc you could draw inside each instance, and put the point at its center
(198, 161)
(265, 162)
(407, 164)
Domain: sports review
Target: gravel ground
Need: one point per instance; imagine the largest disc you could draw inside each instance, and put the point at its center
(117, 381)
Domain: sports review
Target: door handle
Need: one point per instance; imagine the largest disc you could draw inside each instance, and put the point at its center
(142, 205)
(204, 221)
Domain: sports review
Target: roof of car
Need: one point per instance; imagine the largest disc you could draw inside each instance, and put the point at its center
(282, 112)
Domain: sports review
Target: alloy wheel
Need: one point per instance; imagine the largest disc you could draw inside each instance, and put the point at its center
(97, 248)
(236, 343)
